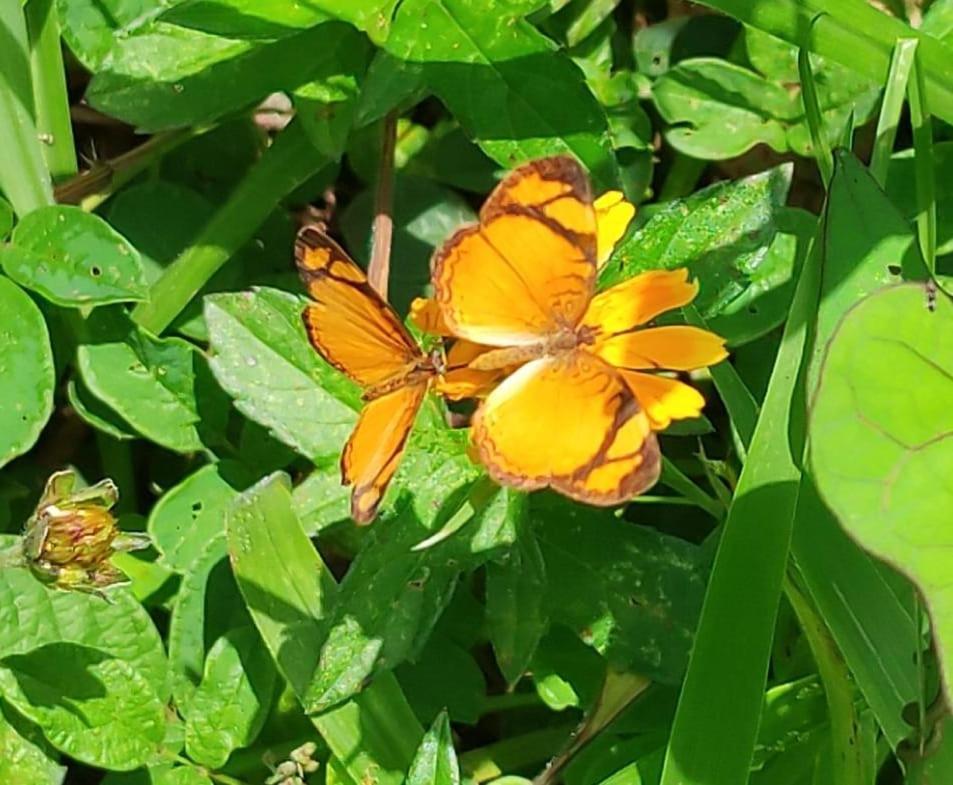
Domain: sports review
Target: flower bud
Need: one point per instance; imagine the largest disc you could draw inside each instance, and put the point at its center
(71, 536)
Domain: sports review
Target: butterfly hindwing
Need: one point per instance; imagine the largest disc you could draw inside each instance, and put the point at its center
(348, 322)
(527, 270)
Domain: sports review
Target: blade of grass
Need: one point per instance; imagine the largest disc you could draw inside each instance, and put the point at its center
(679, 482)
(924, 165)
(513, 754)
(716, 721)
(289, 161)
(852, 33)
(49, 88)
(812, 111)
(23, 174)
(896, 89)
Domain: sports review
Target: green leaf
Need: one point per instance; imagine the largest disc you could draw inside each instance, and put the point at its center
(6, 218)
(515, 604)
(32, 615)
(738, 239)
(73, 258)
(566, 672)
(160, 386)
(630, 593)
(243, 19)
(425, 214)
(389, 83)
(23, 759)
(901, 188)
(321, 501)
(886, 388)
(262, 358)
(192, 513)
(95, 413)
(26, 372)
(716, 109)
(89, 27)
(230, 704)
(286, 587)
(444, 676)
(95, 708)
(507, 85)
(938, 21)
(166, 76)
(435, 762)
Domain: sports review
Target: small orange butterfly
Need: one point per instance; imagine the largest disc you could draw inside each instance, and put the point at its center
(523, 280)
(357, 332)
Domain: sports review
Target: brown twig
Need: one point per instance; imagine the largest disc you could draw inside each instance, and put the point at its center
(378, 271)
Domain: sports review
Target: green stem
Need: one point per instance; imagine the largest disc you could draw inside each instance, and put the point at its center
(93, 187)
(848, 763)
(289, 161)
(24, 178)
(517, 752)
(924, 163)
(49, 88)
(675, 479)
(117, 464)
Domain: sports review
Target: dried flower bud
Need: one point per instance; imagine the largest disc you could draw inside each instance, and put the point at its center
(71, 536)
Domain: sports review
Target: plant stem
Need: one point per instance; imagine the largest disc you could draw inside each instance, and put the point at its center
(675, 479)
(49, 88)
(517, 752)
(289, 161)
(378, 271)
(91, 188)
(23, 174)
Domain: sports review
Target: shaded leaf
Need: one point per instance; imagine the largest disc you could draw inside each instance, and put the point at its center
(23, 759)
(96, 708)
(230, 704)
(444, 676)
(26, 372)
(74, 258)
(95, 413)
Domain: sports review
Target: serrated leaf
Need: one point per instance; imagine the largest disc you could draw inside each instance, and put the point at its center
(436, 761)
(631, 593)
(740, 242)
(160, 386)
(262, 358)
(507, 84)
(230, 704)
(515, 604)
(73, 258)
(32, 615)
(166, 76)
(886, 389)
(192, 513)
(22, 759)
(26, 372)
(95, 708)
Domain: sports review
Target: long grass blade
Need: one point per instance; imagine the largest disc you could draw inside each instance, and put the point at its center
(895, 92)
(924, 164)
(815, 121)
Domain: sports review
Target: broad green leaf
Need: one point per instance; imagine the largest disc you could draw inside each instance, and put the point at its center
(91, 26)
(165, 76)
(507, 85)
(515, 596)
(160, 386)
(321, 501)
(262, 358)
(886, 388)
(95, 413)
(26, 372)
(629, 592)
(192, 513)
(389, 83)
(738, 239)
(245, 19)
(73, 258)
(425, 215)
(95, 708)
(444, 676)
(286, 587)
(719, 110)
(23, 759)
(436, 761)
(230, 704)
(32, 615)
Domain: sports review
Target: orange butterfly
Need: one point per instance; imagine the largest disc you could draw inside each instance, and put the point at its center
(521, 282)
(351, 327)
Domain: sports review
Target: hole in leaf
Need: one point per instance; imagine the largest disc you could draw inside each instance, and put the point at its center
(893, 269)
(196, 509)
(96, 271)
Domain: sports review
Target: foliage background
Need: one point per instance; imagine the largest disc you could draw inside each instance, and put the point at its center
(726, 628)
